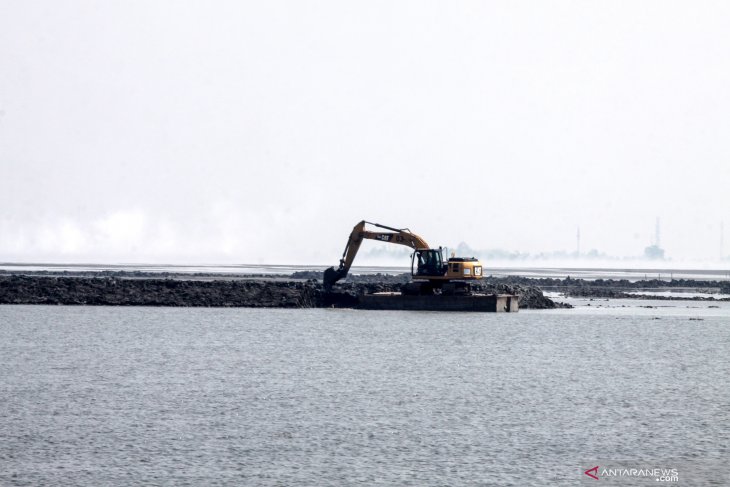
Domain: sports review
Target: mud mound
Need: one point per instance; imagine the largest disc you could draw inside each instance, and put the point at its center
(113, 291)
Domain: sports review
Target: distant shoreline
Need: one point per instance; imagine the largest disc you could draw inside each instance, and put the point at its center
(282, 270)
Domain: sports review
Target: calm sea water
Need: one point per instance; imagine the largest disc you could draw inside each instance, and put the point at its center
(164, 396)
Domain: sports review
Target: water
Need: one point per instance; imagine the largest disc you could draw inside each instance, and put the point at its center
(165, 396)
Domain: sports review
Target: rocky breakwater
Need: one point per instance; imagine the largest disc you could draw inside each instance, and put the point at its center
(244, 292)
(156, 292)
(624, 289)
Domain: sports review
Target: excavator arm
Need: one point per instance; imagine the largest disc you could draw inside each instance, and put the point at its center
(400, 236)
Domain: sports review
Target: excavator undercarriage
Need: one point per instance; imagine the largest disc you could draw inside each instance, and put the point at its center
(420, 288)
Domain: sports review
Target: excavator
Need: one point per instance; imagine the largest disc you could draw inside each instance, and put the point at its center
(431, 274)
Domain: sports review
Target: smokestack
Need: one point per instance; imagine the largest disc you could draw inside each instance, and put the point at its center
(577, 242)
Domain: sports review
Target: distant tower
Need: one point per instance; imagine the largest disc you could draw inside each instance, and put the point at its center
(577, 242)
(655, 252)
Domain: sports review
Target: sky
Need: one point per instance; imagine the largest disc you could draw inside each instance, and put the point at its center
(262, 132)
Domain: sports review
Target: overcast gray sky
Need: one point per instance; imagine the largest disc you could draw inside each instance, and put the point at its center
(250, 132)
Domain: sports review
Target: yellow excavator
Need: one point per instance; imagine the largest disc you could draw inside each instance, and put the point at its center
(429, 271)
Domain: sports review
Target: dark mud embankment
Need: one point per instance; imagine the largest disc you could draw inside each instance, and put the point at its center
(625, 289)
(244, 292)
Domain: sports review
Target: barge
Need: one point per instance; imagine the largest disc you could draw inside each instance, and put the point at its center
(490, 303)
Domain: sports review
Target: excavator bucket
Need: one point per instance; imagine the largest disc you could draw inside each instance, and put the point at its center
(331, 276)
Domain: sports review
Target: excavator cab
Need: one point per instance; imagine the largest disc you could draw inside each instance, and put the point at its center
(427, 262)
